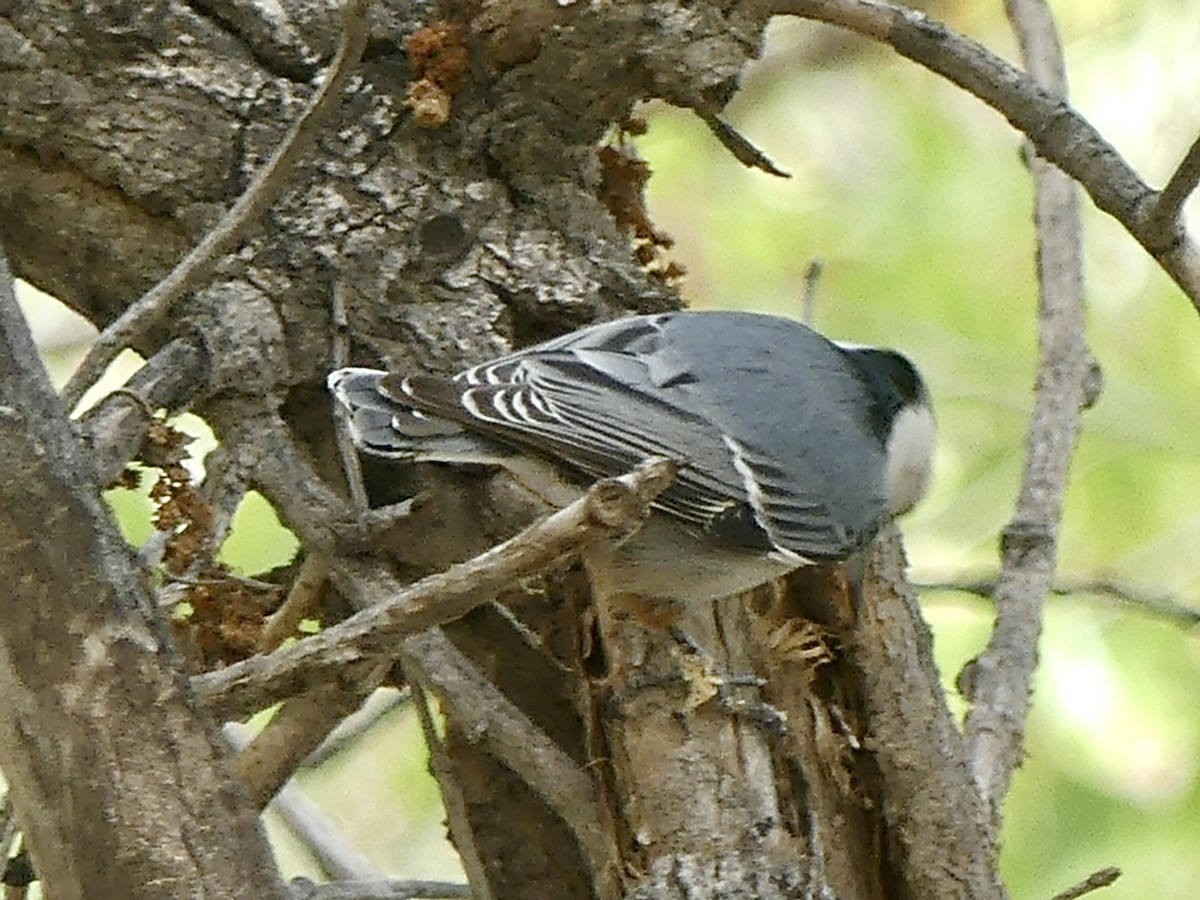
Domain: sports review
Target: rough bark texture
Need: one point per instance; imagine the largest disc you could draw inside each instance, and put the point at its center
(119, 786)
(129, 127)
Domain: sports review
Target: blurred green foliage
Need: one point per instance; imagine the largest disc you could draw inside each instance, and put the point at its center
(916, 199)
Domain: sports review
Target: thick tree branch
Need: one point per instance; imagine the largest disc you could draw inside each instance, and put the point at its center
(1002, 675)
(917, 745)
(113, 800)
(150, 309)
(1058, 133)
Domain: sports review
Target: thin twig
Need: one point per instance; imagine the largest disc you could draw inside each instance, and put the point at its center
(528, 636)
(335, 855)
(1163, 220)
(1155, 604)
(1058, 132)
(1003, 673)
(351, 464)
(302, 889)
(354, 727)
(301, 600)
(609, 507)
(254, 584)
(478, 708)
(741, 148)
(1093, 882)
(262, 191)
(458, 818)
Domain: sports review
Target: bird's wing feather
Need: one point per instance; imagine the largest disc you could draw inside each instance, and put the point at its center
(613, 395)
(595, 430)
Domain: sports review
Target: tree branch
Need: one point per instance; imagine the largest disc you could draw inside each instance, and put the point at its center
(442, 765)
(83, 662)
(269, 759)
(609, 507)
(1003, 673)
(739, 145)
(1093, 882)
(302, 889)
(333, 853)
(478, 708)
(116, 426)
(915, 742)
(378, 707)
(302, 597)
(1155, 604)
(1163, 221)
(1058, 133)
(150, 309)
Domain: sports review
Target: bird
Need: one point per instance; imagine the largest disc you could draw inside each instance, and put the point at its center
(792, 449)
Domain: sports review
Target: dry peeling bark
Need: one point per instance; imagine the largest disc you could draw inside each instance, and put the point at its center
(129, 127)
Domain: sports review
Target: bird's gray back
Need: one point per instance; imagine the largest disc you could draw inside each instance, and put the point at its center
(773, 383)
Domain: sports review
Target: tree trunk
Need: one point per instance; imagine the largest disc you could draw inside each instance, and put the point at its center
(120, 789)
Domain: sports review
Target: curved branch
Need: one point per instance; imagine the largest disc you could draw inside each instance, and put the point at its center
(1059, 134)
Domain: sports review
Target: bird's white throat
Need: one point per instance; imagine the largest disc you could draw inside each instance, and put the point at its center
(910, 457)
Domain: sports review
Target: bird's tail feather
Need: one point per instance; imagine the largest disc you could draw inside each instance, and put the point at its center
(382, 427)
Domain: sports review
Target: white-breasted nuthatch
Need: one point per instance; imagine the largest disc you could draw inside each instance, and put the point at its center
(791, 448)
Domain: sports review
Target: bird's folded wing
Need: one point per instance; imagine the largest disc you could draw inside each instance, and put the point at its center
(600, 412)
(601, 429)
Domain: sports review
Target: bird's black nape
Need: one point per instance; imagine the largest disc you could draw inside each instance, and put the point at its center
(892, 381)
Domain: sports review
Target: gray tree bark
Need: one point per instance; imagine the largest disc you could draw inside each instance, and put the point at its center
(119, 787)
